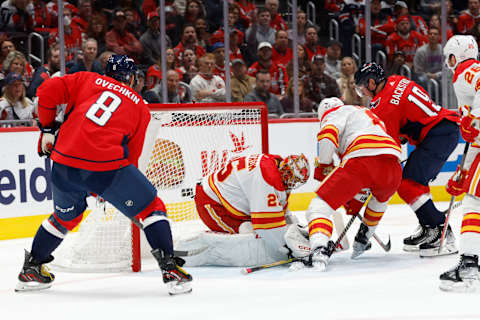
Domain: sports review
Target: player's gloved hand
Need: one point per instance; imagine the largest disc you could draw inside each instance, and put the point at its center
(469, 128)
(354, 206)
(45, 142)
(456, 185)
(322, 170)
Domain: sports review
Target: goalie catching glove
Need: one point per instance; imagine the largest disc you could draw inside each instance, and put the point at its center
(457, 183)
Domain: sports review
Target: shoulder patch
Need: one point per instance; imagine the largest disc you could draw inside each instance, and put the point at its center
(270, 173)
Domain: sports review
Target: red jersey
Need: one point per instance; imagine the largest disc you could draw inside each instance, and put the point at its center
(466, 21)
(73, 41)
(154, 75)
(278, 23)
(105, 121)
(80, 23)
(407, 110)
(410, 45)
(282, 58)
(381, 28)
(315, 50)
(218, 35)
(179, 49)
(279, 77)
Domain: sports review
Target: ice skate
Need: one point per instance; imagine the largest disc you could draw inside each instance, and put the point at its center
(34, 275)
(464, 277)
(178, 280)
(430, 248)
(413, 242)
(361, 243)
(319, 258)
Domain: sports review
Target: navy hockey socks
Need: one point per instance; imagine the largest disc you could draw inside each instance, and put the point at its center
(44, 244)
(159, 236)
(429, 215)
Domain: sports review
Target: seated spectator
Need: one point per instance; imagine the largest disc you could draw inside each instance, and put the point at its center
(87, 61)
(429, 59)
(240, 22)
(103, 58)
(154, 72)
(468, 18)
(382, 25)
(281, 52)
(260, 31)
(218, 50)
(395, 65)
(303, 63)
(203, 35)
(84, 15)
(189, 41)
(218, 36)
(207, 87)
(311, 43)
(15, 62)
(301, 25)
(139, 85)
(5, 46)
(44, 20)
(193, 11)
(134, 21)
(72, 36)
(348, 69)
(350, 14)
(119, 40)
(261, 93)
(97, 29)
(174, 24)
(189, 66)
(350, 95)
(151, 40)
(235, 52)
(13, 103)
(279, 78)
(177, 91)
(405, 40)
(436, 22)
(416, 22)
(332, 59)
(16, 17)
(46, 71)
(247, 10)
(318, 85)
(276, 21)
(305, 104)
(241, 83)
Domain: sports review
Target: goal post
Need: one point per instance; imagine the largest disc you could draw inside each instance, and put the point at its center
(183, 143)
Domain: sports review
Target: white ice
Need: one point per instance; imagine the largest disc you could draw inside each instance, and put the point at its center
(378, 285)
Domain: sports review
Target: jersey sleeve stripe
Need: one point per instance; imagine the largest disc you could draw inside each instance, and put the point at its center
(224, 202)
(372, 141)
(321, 225)
(329, 132)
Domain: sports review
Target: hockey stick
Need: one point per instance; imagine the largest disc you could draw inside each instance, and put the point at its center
(270, 265)
(385, 246)
(452, 199)
(333, 247)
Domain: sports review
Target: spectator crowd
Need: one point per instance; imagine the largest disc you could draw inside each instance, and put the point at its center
(260, 47)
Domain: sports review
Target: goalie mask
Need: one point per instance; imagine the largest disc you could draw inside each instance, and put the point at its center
(294, 171)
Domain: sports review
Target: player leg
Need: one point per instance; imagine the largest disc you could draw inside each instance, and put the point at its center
(423, 165)
(69, 203)
(341, 185)
(464, 276)
(385, 175)
(131, 193)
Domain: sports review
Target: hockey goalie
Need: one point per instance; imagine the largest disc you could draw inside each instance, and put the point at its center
(244, 206)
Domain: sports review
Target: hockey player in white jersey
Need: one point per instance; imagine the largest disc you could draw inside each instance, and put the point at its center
(461, 57)
(245, 204)
(369, 159)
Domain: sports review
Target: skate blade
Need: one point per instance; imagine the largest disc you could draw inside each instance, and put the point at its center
(461, 287)
(175, 288)
(410, 248)
(434, 252)
(31, 286)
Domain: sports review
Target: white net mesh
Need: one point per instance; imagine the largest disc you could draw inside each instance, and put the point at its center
(181, 146)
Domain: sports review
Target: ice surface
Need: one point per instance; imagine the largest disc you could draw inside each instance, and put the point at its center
(378, 285)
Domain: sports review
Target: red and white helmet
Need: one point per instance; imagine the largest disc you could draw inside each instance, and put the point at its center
(462, 48)
(327, 104)
(294, 171)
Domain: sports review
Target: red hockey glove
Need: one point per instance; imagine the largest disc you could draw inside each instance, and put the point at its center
(322, 170)
(354, 206)
(467, 128)
(456, 185)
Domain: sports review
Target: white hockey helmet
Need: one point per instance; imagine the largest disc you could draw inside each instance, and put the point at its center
(327, 104)
(462, 48)
(294, 171)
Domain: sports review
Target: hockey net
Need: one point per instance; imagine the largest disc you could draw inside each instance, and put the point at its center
(183, 143)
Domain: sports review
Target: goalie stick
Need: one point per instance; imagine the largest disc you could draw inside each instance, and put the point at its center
(452, 199)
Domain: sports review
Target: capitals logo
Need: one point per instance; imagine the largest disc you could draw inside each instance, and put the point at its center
(375, 103)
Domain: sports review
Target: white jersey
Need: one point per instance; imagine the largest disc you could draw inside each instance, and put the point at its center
(215, 85)
(18, 111)
(252, 186)
(353, 131)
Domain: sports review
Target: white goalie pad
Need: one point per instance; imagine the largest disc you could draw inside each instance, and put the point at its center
(220, 249)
